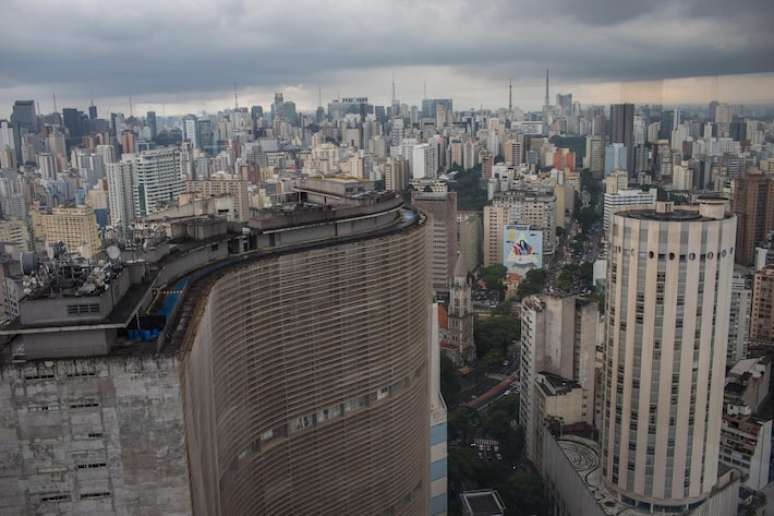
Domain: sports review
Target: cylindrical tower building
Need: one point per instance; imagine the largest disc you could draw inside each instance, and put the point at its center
(669, 283)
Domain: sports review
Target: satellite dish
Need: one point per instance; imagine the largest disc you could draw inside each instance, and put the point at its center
(113, 252)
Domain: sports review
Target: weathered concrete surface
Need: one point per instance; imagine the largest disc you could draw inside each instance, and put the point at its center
(93, 436)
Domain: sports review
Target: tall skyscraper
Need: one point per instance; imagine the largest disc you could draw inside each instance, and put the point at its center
(121, 193)
(150, 121)
(739, 318)
(547, 99)
(616, 158)
(559, 338)
(595, 154)
(155, 181)
(668, 294)
(24, 115)
(762, 318)
(430, 107)
(622, 130)
(441, 208)
(7, 145)
(189, 130)
(92, 112)
(754, 208)
(669, 121)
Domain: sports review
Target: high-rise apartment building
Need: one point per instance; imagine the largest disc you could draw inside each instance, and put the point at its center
(739, 317)
(622, 131)
(150, 121)
(421, 161)
(24, 115)
(558, 340)
(396, 174)
(236, 188)
(669, 281)
(128, 142)
(75, 227)
(7, 145)
(121, 193)
(754, 208)
(616, 155)
(762, 316)
(430, 107)
(157, 180)
(524, 207)
(514, 151)
(441, 208)
(595, 154)
(745, 442)
(189, 131)
(619, 200)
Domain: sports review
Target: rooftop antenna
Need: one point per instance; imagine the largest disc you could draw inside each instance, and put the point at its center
(547, 102)
(236, 100)
(510, 96)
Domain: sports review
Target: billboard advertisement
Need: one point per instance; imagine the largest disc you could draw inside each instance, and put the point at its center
(522, 248)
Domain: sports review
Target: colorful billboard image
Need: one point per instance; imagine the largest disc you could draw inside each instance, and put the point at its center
(522, 248)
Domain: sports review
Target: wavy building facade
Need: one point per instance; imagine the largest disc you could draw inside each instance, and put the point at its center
(291, 375)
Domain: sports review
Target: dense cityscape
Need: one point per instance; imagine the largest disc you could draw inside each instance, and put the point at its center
(544, 288)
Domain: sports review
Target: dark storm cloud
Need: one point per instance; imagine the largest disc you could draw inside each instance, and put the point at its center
(151, 48)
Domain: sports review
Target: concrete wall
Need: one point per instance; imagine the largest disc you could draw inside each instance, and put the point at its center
(69, 344)
(93, 436)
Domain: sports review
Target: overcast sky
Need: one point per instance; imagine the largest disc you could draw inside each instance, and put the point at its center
(178, 57)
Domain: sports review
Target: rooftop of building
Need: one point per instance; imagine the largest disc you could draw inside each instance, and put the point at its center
(484, 502)
(585, 457)
(555, 385)
(668, 212)
(189, 286)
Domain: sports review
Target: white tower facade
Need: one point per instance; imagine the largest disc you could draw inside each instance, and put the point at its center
(669, 290)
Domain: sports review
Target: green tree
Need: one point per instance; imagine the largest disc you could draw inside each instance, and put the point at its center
(494, 277)
(463, 424)
(534, 282)
(568, 277)
(498, 332)
(492, 359)
(501, 417)
(523, 494)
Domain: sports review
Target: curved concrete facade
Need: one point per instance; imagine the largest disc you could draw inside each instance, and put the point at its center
(306, 382)
(669, 282)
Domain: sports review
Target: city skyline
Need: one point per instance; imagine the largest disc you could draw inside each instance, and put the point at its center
(694, 91)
